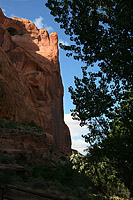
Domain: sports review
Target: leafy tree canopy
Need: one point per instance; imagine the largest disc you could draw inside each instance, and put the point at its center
(110, 162)
(101, 33)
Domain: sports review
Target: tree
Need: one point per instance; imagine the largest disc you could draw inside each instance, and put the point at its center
(101, 34)
(100, 171)
(109, 163)
(118, 146)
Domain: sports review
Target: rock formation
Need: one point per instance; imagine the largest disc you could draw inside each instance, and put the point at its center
(30, 83)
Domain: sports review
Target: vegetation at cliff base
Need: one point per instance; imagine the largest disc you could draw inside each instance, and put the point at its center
(56, 178)
(29, 126)
(101, 37)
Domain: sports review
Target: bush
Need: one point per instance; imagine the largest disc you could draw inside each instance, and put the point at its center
(38, 183)
(62, 173)
(6, 159)
(12, 124)
(46, 172)
(9, 124)
(2, 123)
(7, 176)
(31, 126)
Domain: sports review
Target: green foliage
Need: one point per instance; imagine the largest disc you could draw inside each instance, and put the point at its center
(7, 176)
(45, 172)
(31, 126)
(38, 183)
(62, 173)
(102, 174)
(58, 179)
(12, 124)
(78, 24)
(118, 145)
(101, 35)
(98, 31)
(109, 163)
(2, 124)
(6, 159)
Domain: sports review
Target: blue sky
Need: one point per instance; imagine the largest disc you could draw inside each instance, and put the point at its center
(36, 11)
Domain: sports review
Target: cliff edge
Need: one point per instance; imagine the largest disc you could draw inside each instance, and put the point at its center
(30, 82)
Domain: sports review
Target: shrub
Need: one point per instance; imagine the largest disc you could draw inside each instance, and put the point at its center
(7, 176)
(6, 159)
(2, 123)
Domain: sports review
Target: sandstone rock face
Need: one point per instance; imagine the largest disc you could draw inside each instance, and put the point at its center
(30, 82)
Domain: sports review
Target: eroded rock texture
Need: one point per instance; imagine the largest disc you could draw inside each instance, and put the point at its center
(30, 82)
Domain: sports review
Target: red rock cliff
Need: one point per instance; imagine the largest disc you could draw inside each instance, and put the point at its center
(30, 82)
